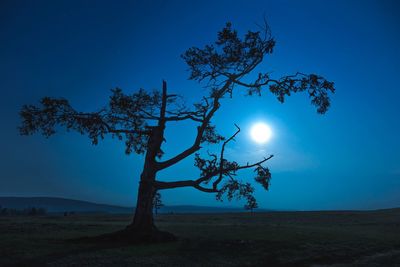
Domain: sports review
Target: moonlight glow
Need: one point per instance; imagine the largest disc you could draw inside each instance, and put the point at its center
(261, 133)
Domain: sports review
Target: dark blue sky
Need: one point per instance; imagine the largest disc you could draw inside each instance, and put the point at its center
(346, 159)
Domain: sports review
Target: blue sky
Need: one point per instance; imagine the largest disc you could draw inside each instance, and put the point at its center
(348, 158)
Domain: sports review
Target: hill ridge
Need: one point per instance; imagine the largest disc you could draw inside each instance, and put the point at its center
(60, 204)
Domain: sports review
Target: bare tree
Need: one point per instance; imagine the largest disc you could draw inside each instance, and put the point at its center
(140, 119)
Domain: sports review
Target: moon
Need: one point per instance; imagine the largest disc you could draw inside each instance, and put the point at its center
(260, 132)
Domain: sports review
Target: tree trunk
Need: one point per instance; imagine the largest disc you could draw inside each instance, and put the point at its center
(143, 219)
(142, 226)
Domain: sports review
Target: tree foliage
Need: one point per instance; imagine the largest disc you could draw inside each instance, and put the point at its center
(251, 205)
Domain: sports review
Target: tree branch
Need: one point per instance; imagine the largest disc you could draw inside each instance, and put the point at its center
(181, 117)
(186, 183)
(221, 160)
(200, 131)
(197, 183)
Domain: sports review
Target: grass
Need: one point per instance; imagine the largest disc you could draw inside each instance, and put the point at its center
(237, 239)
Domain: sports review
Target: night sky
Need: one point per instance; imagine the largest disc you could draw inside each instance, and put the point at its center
(348, 158)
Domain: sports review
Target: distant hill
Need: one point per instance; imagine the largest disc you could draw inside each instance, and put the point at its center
(53, 204)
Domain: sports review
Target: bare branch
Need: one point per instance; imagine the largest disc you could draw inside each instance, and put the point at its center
(197, 183)
(200, 131)
(255, 164)
(183, 116)
(185, 183)
(221, 162)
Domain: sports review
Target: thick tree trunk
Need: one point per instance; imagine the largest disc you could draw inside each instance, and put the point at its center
(143, 219)
(142, 226)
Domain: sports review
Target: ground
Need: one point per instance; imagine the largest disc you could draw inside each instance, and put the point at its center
(236, 239)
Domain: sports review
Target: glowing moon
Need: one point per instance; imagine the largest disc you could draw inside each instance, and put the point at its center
(261, 133)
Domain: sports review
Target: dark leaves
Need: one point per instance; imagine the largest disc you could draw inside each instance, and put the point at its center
(232, 57)
(137, 107)
(45, 119)
(251, 203)
(207, 167)
(54, 113)
(229, 55)
(211, 136)
(316, 86)
(263, 176)
(233, 189)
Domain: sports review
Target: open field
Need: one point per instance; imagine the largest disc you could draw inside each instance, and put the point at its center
(236, 239)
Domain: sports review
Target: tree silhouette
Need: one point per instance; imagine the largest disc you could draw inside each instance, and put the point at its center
(157, 202)
(251, 204)
(139, 119)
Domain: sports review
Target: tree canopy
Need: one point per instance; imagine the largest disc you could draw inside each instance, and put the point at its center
(139, 118)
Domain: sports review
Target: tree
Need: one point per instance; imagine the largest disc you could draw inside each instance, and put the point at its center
(157, 202)
(251, 204)
(139, 119)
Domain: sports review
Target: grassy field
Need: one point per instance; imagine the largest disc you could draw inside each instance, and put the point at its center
(239, 239)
